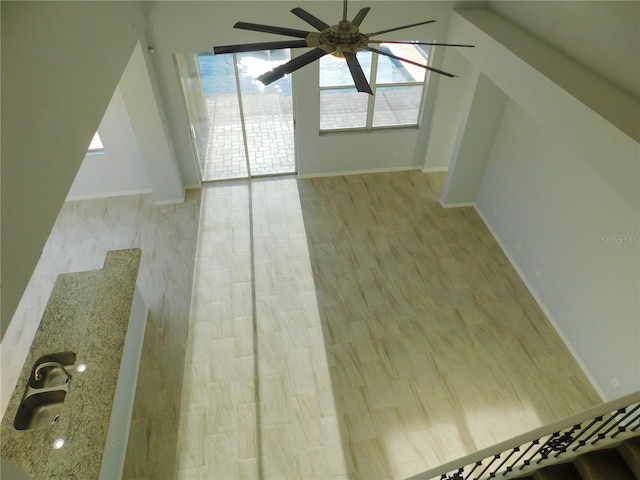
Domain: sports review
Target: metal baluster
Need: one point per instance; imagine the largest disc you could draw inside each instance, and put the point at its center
(544, 446)
(595, 432)
(557, 444)
(506, 459)
(477, 464)
(582, 443)
(526, 462)
(455, 476)
(617, 425)
(625, 427)
(582, 432)
(495, 457)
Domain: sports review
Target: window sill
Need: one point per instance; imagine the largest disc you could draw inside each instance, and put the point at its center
(95, 152)
(368, 130)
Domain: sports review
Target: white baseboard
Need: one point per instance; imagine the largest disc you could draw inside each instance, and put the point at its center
(434, 169)
(356, 172)
(544, 309)
(456, 205)
(170, 201)
(93, 196)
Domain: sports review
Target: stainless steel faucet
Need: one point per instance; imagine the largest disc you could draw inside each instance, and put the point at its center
(37, 376)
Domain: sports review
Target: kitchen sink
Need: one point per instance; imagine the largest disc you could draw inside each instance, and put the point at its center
(39, 409)
(45, 392)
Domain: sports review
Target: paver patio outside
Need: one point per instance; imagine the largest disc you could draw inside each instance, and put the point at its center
(269, 130)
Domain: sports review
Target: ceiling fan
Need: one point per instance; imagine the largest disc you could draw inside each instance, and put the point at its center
(342, 40)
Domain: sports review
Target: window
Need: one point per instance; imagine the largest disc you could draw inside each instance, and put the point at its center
(398, 89)
(96, 145)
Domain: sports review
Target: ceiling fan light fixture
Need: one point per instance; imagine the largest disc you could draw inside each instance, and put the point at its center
(343, 40)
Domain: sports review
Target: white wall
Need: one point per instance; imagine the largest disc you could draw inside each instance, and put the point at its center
(61, 62)
(560, 221)
(561, 193)
(120, 169)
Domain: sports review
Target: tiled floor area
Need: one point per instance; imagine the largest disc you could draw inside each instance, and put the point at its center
(390, 335)
(82, 235)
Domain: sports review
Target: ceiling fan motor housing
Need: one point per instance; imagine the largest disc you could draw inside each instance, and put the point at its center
(342, 37)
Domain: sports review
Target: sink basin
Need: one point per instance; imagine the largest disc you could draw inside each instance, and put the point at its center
(39, 410)
(51, 370)
(46, 389)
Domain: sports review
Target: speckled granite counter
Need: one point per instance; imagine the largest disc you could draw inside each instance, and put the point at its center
(88, 313)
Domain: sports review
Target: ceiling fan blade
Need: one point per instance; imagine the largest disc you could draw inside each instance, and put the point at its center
(256, 27)
(256, 47)
(291, 66)
(398, 28)
(422, 43)
(357, 20)
(310, 19)
(356, 73)
(441, 72)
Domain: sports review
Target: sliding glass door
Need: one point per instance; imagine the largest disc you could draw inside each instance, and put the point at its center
(250, 125)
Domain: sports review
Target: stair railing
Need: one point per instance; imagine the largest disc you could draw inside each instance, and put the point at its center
(605, 424)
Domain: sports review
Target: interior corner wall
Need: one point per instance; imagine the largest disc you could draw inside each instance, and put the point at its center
(450, 104)
(61, 62)
(560, 193)
(574, 240)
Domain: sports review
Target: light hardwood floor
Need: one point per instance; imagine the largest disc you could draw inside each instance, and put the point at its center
(389, 335)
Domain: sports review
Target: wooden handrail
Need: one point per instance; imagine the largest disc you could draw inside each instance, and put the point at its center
(545, 430)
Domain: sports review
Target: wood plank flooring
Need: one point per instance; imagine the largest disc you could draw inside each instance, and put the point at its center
(389, 335)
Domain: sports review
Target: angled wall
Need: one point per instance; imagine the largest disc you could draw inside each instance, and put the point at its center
(61, 62)
(149, 127)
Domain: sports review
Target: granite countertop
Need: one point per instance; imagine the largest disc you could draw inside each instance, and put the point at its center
(87, 313)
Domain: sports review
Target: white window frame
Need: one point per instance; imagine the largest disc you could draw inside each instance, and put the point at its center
(371, 101)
